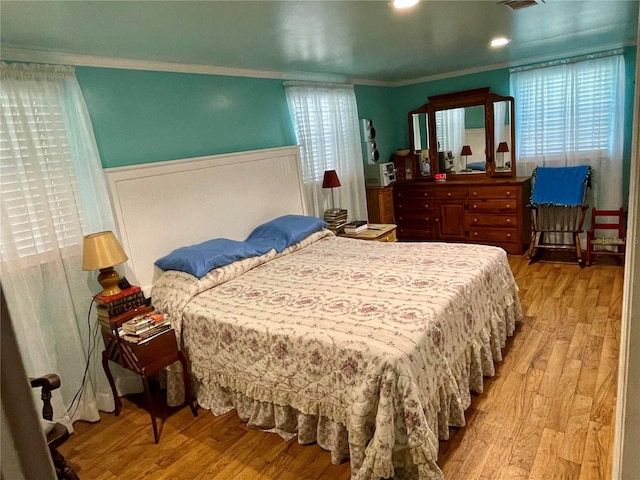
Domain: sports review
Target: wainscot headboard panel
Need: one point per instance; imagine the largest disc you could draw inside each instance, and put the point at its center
(162, 206)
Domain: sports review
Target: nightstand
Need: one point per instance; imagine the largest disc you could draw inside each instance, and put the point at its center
(145, 359)
(378, 232)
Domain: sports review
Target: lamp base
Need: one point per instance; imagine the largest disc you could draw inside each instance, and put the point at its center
(108, 279)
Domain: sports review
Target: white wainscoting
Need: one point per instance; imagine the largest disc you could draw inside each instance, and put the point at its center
(166, 205)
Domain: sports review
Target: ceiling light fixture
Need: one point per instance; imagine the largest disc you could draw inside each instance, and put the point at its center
(404, 3)
(499, 42)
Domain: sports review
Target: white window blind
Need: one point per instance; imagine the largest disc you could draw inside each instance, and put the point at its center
(325, 119)
(41, 210)
(566, 108)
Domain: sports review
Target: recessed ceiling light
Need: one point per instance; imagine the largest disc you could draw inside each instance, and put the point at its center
(404, 3)
(499, 42)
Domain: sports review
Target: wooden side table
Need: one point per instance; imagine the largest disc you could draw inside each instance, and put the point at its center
(379, 232)
(145, 359)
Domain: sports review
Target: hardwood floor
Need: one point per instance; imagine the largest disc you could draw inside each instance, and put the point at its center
(547, 414)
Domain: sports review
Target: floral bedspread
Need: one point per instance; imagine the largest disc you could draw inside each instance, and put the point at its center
(383, 340)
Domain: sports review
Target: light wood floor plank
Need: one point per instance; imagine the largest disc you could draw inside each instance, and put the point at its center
(547, 414)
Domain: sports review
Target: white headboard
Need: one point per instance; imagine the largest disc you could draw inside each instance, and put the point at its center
(162, 206)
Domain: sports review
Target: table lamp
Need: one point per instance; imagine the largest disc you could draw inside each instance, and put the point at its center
(502, 148)
(331, 181)
(466, 151)
(101, 251)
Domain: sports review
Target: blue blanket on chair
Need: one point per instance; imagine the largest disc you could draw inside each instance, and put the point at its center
(563, 186)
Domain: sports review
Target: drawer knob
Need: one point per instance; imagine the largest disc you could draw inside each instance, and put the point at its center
(508, 220)
(476, 206)
(475, 234)
(400, 218)
(448, 194)
(426, 194)
(508, 205)
(475, 194)
(426, 205)
(475, 220)
(508, 194)
(508, 235)
(426, 219)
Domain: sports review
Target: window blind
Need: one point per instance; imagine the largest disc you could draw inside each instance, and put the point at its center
(40, 195)
(566, 108)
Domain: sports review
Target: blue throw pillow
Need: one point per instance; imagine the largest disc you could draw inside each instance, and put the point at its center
(285, 231)
(204, 257)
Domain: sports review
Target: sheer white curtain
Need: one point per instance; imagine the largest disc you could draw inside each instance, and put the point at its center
(53, 192)
(450, 132)
(499, 113)
(571, 113)
(325, 118)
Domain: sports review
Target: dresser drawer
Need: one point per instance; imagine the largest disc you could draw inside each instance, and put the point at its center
(492, 192)
(493, 234)
(451, 193)
(491, 220)
(494, 206)
(413, 193)
(408, 234)
(413, 204)
(415, 218)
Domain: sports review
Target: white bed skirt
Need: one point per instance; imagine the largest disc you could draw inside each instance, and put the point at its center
(447, 410)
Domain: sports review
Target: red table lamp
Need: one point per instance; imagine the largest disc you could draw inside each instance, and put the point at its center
(331, 181)
(466, 151)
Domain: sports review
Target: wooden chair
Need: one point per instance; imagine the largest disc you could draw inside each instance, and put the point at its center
(596, 241)
(558, 209)
(59, 433)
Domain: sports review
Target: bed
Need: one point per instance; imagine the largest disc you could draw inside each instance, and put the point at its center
(369, 349)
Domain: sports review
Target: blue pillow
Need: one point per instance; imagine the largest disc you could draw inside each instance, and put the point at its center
(204, 257)
(285, 231)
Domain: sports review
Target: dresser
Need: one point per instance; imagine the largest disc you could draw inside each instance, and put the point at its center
(380, 204)
(489, 211)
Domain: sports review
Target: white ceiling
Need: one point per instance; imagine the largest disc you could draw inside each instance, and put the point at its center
(358, 41)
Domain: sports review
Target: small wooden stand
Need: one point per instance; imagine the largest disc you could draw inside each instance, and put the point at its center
(145, 359)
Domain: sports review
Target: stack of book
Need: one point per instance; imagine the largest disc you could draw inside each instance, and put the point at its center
(144, 327)
(356, 226)
(110, 308)
(336, 218)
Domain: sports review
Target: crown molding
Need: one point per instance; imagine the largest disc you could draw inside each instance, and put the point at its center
(58, 58)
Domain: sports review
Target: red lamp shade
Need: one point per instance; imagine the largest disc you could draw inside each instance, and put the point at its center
(503, 147)
(466, 150)
(331, 179)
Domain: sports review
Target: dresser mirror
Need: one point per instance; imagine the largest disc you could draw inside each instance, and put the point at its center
(420, 143)
(504, 137)
(472, 134)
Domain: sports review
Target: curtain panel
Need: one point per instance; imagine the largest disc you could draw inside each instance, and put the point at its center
(325, 118)
(53, 192)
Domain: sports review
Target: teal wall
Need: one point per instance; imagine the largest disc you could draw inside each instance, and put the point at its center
(375, 104)
(142, 117)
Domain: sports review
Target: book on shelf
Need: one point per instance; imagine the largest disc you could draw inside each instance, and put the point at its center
(141, 323)
(146, 335)
(118, 297)
(120, 305)
(356, 226)
(117, 320)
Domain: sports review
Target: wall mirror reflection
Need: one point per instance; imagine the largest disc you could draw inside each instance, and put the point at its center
(460, 134)
(468, 133)
(502, 142)
(420, 145)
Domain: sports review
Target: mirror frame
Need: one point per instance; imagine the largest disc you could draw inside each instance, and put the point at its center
(469, 98)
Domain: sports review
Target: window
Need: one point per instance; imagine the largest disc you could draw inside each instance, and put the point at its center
(570, 113)
(40, 194)
(567, 108)
(325, 119)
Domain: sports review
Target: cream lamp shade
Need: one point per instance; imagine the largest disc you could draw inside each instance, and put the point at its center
(101, 251)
